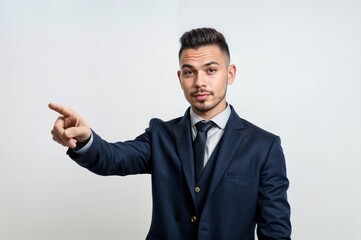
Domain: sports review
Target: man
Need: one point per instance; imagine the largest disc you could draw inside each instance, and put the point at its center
(216, 183)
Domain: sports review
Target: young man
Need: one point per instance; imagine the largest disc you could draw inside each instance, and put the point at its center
(213, 183)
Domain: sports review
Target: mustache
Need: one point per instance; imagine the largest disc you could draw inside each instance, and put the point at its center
(201, 90)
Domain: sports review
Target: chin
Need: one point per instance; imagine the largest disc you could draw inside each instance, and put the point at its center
(203, 107)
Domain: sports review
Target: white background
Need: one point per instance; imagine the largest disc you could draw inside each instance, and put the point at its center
(115, 62)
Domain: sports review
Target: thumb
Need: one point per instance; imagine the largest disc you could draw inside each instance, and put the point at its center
(81, 134)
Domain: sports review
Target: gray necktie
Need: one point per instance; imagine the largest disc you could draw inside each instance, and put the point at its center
(199, 145)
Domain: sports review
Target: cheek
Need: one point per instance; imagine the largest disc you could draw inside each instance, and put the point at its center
(220, 86)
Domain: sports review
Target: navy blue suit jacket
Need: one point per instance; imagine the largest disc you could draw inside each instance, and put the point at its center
(247, 189)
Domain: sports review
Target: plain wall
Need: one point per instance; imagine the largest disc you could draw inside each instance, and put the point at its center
(115, 62)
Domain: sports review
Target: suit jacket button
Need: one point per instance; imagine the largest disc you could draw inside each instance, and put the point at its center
(193, 219)
(197, 189)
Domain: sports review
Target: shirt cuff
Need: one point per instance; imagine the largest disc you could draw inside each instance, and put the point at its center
(81, 148)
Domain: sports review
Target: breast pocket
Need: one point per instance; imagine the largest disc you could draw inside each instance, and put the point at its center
(231, 175)
(241, 185)
(241, 193)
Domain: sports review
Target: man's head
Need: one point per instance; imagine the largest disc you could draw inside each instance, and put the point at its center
(205, 71)
(201, 37)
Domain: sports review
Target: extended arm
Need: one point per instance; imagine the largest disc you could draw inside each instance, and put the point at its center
(121, 158)
(101, 157)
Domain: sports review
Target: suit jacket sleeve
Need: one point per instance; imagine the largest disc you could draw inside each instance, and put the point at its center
(273, 211)
(120, 158)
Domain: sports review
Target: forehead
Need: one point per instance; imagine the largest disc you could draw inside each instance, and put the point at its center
(202, 55)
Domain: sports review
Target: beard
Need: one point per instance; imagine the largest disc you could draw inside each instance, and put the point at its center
(205, 106)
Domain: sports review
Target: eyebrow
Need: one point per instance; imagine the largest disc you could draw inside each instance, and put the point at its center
(205, 65)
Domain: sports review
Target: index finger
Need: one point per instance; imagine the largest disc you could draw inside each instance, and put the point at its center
(60, 109)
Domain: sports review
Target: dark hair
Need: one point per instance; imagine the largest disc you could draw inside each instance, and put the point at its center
(201, 37)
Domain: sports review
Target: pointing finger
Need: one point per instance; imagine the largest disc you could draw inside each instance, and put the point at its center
(60, 109)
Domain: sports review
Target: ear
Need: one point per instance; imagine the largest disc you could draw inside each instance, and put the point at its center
(231, 74)
(179, 78)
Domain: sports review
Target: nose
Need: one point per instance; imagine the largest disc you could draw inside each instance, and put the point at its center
(200, 80)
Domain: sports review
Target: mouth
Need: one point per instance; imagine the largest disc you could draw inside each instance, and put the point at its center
(201, 95)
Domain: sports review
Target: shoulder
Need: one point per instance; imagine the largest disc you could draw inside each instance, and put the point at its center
(257, 129)
(164, 128)
(250, 130)
(178, 121)
(161, 122)
(155, 123)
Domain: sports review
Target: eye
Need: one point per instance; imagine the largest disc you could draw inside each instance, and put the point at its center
(187, 73)
(211, 70)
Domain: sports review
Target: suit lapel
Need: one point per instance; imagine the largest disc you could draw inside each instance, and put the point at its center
(230, 142)
(183, 139)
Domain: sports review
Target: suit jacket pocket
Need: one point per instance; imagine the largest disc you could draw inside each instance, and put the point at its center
(233, 175)
(241, 184)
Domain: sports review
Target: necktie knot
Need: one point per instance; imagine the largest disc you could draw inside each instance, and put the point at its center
(204, 126)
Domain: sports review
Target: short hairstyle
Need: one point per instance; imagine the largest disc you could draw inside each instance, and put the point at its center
(201, 37)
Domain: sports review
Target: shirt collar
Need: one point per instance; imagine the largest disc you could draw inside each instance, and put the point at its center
(220, 119)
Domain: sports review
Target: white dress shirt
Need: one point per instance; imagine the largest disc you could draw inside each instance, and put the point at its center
(215, 133)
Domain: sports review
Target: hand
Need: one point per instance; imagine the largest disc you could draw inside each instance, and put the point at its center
(69, 127)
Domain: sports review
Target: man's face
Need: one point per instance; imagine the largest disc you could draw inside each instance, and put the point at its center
(204, 75)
